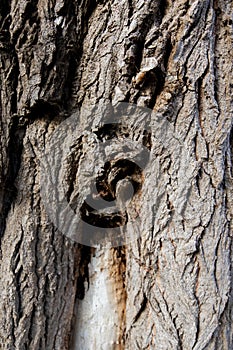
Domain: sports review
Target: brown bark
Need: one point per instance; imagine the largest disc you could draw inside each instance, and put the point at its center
(172, 287)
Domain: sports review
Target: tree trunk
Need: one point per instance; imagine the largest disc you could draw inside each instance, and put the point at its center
(171, 286)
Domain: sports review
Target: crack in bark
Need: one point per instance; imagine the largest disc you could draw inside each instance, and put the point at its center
(15, 147)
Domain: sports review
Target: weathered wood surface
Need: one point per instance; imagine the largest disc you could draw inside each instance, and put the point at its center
(172, 288)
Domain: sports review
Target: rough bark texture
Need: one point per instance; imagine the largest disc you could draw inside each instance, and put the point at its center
(172, 288)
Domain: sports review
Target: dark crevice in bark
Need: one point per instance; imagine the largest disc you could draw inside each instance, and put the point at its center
(14, 75)
(4, 17)
(73, 64)
(200, 96)
(130, 13)
(167, 53)
(163, 7)
(37, 261)
(7, 52)
(215, 264)
(31, 324)
(158, 80)
(231, 150)
(180, 341)
(74, 160)
(17, 277)
(18, 293)
(83, 276)
(198, 180)
(16, 131)
(142, 308)
(216, 89)
(121, 254)
(43, 110)
(46, 307)
(12, 330)
(147, 140)
(197, 320)
(15, 147)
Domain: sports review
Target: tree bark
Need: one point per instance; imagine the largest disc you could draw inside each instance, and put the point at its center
(172, 287)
